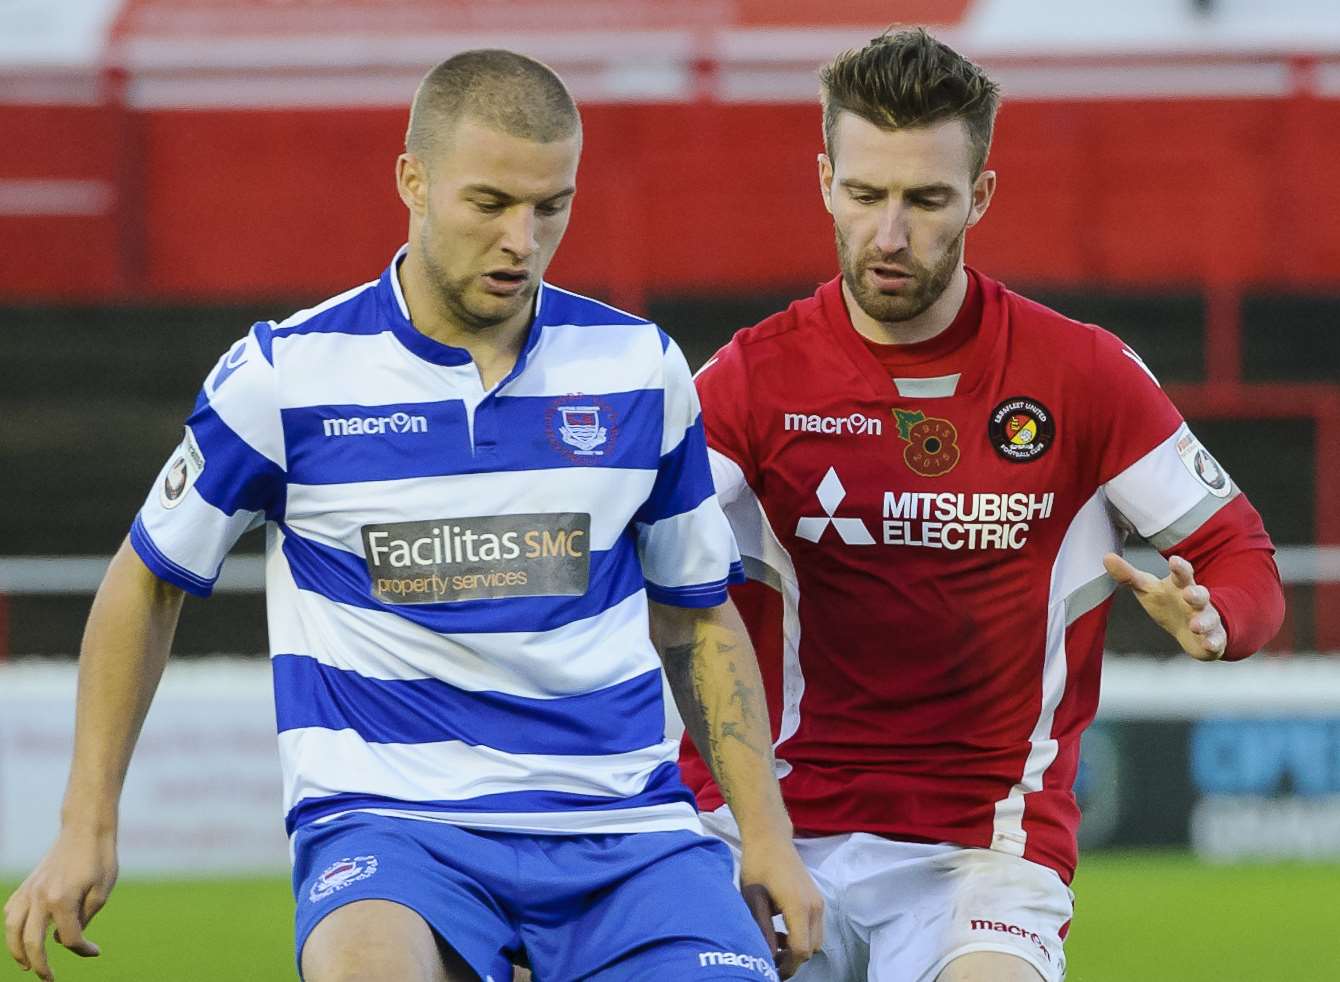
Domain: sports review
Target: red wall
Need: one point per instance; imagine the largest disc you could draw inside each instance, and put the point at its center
(42, 255)
(674, 199)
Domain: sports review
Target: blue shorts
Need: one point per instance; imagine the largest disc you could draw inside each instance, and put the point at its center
(604, 908)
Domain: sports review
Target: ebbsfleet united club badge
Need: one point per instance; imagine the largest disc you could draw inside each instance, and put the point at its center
(1021, 429)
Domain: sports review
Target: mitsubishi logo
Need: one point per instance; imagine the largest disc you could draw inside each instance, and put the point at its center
(852, 531)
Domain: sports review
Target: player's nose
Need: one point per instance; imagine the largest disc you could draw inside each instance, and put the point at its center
(519, 232)
(891, 236)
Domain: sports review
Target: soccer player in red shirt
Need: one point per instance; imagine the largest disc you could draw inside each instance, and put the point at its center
(935, 476)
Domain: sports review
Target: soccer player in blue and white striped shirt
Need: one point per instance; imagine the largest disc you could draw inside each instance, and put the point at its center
(480, 491)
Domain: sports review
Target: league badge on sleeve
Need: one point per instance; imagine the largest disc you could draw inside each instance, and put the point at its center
(1021, 429)
(186, 465)
(1203, 467)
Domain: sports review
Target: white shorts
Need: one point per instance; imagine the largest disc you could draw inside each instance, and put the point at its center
(902, 911)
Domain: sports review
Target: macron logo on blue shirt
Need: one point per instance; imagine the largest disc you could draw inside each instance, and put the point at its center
(400, 422)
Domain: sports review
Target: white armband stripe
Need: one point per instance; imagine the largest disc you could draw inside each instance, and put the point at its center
(1159, 492)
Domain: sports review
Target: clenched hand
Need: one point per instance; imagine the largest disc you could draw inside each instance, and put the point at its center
(67, 888)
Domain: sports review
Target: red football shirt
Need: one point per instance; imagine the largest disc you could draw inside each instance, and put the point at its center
(934, 547)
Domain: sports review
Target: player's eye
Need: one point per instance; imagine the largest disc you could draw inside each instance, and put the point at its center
(489, 207)
(864, 197)
(550, 208)
(930, 204)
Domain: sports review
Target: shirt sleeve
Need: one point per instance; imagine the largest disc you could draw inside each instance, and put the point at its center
(225, 477)
(720, 384)
(723, 384)
(684, 541)
(1233, 556)
(1167, 487)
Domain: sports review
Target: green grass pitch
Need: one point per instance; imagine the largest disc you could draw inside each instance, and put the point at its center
(1140, 917)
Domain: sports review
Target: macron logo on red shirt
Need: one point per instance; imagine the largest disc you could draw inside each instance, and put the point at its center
(852, 531)
(856, 424)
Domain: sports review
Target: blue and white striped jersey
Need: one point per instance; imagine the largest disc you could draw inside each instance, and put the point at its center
(457, 579)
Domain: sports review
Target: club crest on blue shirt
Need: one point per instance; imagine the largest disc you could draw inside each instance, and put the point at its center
(581, 427)
(340, 874)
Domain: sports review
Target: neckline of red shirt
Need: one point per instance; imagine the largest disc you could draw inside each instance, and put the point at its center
(967, 359)
(924, 359)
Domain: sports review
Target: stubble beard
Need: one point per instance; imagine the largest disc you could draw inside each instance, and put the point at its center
(929, 283)
(453, 295)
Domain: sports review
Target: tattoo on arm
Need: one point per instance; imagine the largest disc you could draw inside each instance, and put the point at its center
(718, 703)
(682, 670)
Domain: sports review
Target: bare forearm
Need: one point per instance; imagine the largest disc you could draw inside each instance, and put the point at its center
(714, 676)
(121, 660)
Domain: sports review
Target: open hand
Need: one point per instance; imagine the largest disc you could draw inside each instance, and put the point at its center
(1176, 603)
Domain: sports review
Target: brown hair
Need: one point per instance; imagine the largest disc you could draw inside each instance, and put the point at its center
(510, 92)
(907, 78)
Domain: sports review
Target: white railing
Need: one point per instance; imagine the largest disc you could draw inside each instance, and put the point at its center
(47, 575)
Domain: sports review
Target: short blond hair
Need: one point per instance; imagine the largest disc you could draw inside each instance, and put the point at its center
(508, 91)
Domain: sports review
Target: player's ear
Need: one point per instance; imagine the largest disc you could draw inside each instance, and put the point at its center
(982, 191)
(411, 181)
(826, 181)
